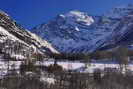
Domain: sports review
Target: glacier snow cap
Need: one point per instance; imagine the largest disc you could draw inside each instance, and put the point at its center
(79, 17)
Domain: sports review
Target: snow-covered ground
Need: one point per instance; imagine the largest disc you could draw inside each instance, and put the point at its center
(5, 66)
(67, 65)
(91, 66)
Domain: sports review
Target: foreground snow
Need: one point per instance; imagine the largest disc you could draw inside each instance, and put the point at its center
(91, 66)
(67, 65)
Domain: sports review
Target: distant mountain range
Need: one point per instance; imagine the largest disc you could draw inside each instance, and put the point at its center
(78, 32)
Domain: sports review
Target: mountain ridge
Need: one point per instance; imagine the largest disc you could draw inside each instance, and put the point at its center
(14, 37)
(72, 34)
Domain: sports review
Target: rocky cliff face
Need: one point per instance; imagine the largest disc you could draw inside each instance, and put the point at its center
(16, 41)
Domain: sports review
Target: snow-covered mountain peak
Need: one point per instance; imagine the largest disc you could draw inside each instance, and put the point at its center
(73, 32)
(77, 14)
(77, 17)
(76, 32)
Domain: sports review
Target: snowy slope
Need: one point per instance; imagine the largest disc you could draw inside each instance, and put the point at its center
(16, 41)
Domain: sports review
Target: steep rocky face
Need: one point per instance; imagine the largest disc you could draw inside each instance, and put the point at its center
(76, 31)
(16, 41)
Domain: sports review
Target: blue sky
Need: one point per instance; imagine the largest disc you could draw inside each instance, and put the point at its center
(30, 13)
